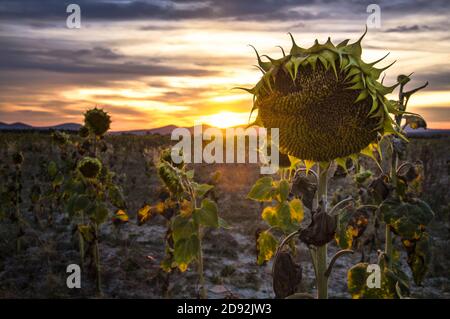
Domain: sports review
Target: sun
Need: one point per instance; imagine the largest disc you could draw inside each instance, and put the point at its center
(225, 119)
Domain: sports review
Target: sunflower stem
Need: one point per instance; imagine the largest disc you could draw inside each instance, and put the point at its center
(203, 294)
(97, 261)
(321, 252)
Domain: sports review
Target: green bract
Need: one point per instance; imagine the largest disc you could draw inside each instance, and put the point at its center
(326, 101)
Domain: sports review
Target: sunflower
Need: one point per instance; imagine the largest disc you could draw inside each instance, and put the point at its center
(97, 121)
(89, 167)
(326, 101)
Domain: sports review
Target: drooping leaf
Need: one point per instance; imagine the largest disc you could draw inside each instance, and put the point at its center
(207, 213)
(100, 213)
(297, 211)
(182, 228)
(144, 214)
(357, 281)
(283, 190)
(58, 180)
(202, 189)
(407, 219)
(262, 190)
(87, 232)
(116, 197)
(186, 250)
(266, 247)
(52, 169)
(287, 275)
(351, 225)
(320, 231)
(304, 189)
(418, 256)
(362, 176)
(269, 215)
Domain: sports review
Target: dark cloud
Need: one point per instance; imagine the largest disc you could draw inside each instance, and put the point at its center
(410, 28)
(438, 78)
(435, 114)
(261, 10)
(145, 10)
(96, 60)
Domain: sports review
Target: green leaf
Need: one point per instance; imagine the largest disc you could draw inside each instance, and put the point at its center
(207, 214)
(284, 190)
(266, 245)
(87, 232)
(343, 234)
(407, 219)
(52, 169)
(58, 180)
(100, 214)
(284, 216)
(81, 203)
(202, 189)
(182, 228)
(363, 176)
(297, 210)
(186, 250)
(262, 190)
(357, 283)
(269, 215)
(116, 196)
(418, 256)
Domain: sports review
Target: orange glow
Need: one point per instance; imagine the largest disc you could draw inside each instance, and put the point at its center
(225, 119)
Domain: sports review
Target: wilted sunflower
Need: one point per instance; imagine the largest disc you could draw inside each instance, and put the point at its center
(326, 102)
(83, 131)
(17, 158)
(97, 121)
(89, 167)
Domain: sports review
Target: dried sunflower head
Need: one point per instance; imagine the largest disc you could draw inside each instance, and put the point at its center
(326, 101)
(97, 121)
(89, 167)
(83, 132)
(60, 138)
(17, 158)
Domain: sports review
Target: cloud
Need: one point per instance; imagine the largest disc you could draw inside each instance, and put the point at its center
(434, 114)
(410, 28)
(94, 60)
(175, 10)
(160, 51)
(437, 77)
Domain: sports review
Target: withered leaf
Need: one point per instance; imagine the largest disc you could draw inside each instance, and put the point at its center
(287, 275)
(320, 231)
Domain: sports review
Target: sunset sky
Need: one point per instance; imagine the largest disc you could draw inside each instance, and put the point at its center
(152, 63)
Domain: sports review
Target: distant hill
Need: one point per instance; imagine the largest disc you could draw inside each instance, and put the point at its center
(164, 130)
(15, 126)
(22, 126)
(426, 132)
(167, 130)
